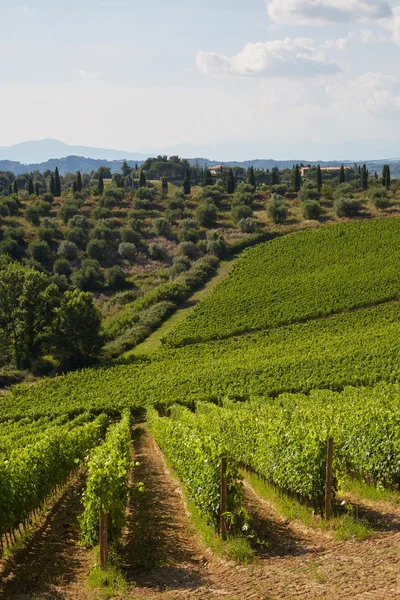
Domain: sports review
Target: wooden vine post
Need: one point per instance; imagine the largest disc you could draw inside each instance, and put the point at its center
(103, 539)
(224, 499)
(328, 481)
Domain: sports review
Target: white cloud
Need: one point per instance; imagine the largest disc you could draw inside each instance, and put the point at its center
(394, 25)
(363, 36)
(87, 75)
(297, 57)
(320, 12)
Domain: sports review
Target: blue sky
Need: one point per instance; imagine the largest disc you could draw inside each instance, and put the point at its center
(225, 79)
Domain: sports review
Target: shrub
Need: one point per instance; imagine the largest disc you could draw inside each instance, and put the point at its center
(245, 188)
(242, 198)
(101, 213)
(241, 211)
(276, 209)
(189, 230)
(67, 250)
(79, 221)
(145, 193)
(62, 267)
(88, 277)
(116, 194)
(180, 265)
(215, 243)
(206, 214)
(379, 198)
(327, 191)
(131, 235)
(127, 250)
(68, 210)
(309, 191)
(40, 251)
(347, 207)
(143, 204)
(97, 249)
(157, 251)
(161, 226)
(279, 189)
(78, 236)
(115, 278)
(189, 249)
(102, 231)
(343, 190)
(247, 225)
(311, 209)
(4, 210)
(36, 210)
(177, 202)
(47, 197)
(11, 247)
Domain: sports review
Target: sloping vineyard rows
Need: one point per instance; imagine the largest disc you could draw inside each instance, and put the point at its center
(29, 475)
(358, 349)
(196, 457)
(107, 483)
(299, 277)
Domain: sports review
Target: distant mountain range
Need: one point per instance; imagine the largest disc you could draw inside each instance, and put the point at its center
(48, 154)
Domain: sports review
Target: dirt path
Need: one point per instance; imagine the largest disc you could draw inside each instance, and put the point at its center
(52, 565)
(164, 557)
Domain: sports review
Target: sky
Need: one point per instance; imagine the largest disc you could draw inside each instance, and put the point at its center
(225, 79)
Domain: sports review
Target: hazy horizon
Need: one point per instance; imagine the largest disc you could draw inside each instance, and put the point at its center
(271, 78)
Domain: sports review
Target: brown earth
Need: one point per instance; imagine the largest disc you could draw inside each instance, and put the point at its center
(164, 558)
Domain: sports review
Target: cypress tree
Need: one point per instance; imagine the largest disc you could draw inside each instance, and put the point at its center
(31, 189)
(15, 187)
(37, 189)
(142, 179)
(342, 175)
(10, 189)
(252, 179)
(296, 178)
(57, 183)
(386, 176)
(136, 167)
(101, 184)
(364, 177)
(319, 178)
(230, 182)
(78, 181)
(52, 185)
(125, 169)
(187, 186)
(275, 176)
(208, 178)
(74, 187)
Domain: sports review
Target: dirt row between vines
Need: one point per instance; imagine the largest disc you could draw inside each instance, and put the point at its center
(163, 557)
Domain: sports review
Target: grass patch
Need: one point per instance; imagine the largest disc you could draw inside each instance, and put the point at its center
(111, 582)
(364, 491)
(346, 526)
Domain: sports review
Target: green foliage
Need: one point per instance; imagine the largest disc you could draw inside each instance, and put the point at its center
(241, 211)
(157, 251)
(67, 250)
(115, 278)
(161, 226)
(347, 207)
(206, 214)
(312, 209)
(312, 273)
(76, 330)
(127, 250)
(276, 209)
(97, 249)
(88, 277)
(196, 457)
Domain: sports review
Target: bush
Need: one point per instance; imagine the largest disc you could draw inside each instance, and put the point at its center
(67, 250)
(242, 198)
(177, 202)
(241, 211)
(189, 249)
(181, 264)
(379, 198)
(343, 190)
(62, 267)
(161, 226)
(247, 225)
(245, 188)
(157, 251)
(97, 249)
(309, 191)
(276, 209)
(88, 277)
(131, 235)
(4, 211)
(127, 250)
(143, 204)
(36, 210)
(102, 231)
(115, 278)
(206, 214)
(40, 251)
(279, 189)
(327, 191)
(311, 209)
(11, 247)
(145, 193)
(347, 207)
(68, 210)
(77, 236)
(47, 197)
(189, 230)
(215, 244)
(101, 213)
(117, 194)
(79, 221)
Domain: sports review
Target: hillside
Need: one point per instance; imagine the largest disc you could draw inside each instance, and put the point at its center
(299, 343)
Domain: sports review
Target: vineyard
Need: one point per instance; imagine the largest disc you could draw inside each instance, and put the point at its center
(300, 343)
(300, 277)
